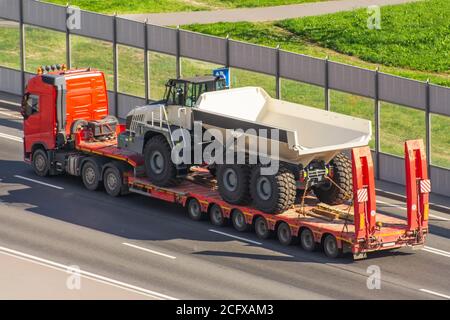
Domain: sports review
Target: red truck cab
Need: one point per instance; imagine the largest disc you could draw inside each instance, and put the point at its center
(55, 102)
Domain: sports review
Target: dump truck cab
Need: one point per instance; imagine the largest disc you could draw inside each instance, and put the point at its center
(186, 91)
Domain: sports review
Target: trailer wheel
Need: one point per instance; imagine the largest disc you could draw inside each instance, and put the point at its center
(238, 220)
(41, 164)
(330, 246)
(262, 229)
(216, 216)
(158, 162)
(113, 182)
(233, 183)
(194, 210)
(284, 234)
(90, 173)
(273, 193)
(307, 241)
(342, 175)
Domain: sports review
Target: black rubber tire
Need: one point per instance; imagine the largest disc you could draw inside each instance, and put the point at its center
(282, 190)
(262, 229)
(90, 174)
(41, 163)
(113, 182)
(307, 241)
(238, 220)
(284, 234)
(163, 174)
(240, 195)
(330, 247)
(194, 210)
(342, 176)
(216, 216)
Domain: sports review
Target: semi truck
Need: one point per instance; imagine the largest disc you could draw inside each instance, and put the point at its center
(68, 131)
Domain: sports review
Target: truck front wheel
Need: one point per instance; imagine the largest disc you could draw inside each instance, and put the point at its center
(41, 163)
(342, 188)
(273, 193)
(158, 162)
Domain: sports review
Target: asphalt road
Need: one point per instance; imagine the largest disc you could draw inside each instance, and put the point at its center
(153, 248)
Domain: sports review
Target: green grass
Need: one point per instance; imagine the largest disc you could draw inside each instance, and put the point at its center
(155, 6)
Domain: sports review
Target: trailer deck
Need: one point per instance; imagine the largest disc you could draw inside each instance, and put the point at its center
(357, 226)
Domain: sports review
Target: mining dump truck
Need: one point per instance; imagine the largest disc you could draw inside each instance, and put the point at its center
(309, 142)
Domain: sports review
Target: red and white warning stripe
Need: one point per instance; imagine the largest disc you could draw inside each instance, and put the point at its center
(362, 195)
(425, 186)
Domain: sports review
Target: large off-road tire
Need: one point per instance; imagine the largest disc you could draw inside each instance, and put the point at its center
(158, 162)
(233, 181)
(273, 193)
(41, 163)
(342, 176)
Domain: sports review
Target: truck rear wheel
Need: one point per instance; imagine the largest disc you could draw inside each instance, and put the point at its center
(41, 164)
(307, 240)
(330, 246)
(158, 162)
(238, 220)
(328, 192)
(113, 182)
(261, 228)
(233, 183)
(285, 235)
(216, 216)
(90, 173)
(194, 210)
(273, 193)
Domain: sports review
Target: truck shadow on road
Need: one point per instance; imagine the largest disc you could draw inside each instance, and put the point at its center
(135, 217)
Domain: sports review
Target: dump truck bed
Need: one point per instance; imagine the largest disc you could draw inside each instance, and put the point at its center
(306, 133)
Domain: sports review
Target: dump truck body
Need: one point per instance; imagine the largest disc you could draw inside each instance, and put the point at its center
(305, 133)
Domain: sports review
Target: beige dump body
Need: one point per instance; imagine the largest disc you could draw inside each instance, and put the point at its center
(310, 133)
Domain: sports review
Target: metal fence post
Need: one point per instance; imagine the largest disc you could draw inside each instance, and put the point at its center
(115, 67)
(377, 125)
(227, 51)
(327, 90)
(428, 125)
(146, 64)
(277, 77)
(68, 46)
(178, 58)
(22, 46)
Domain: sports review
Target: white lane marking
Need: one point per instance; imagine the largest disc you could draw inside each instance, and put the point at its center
(10, 137)
(10, 115)
(39, 182)
(86, 274)
(437, 251)
(435, 293)
(235, 237)
(148, 250)
(403, 208)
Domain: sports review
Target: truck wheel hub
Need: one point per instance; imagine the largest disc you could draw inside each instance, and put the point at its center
(239, 220)
(40, 162)
(264, 188)
(157, 162)
(231, 180)
(111, 180)
(90, 175)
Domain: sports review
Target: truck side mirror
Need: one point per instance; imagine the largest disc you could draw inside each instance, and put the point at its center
(30, 105)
